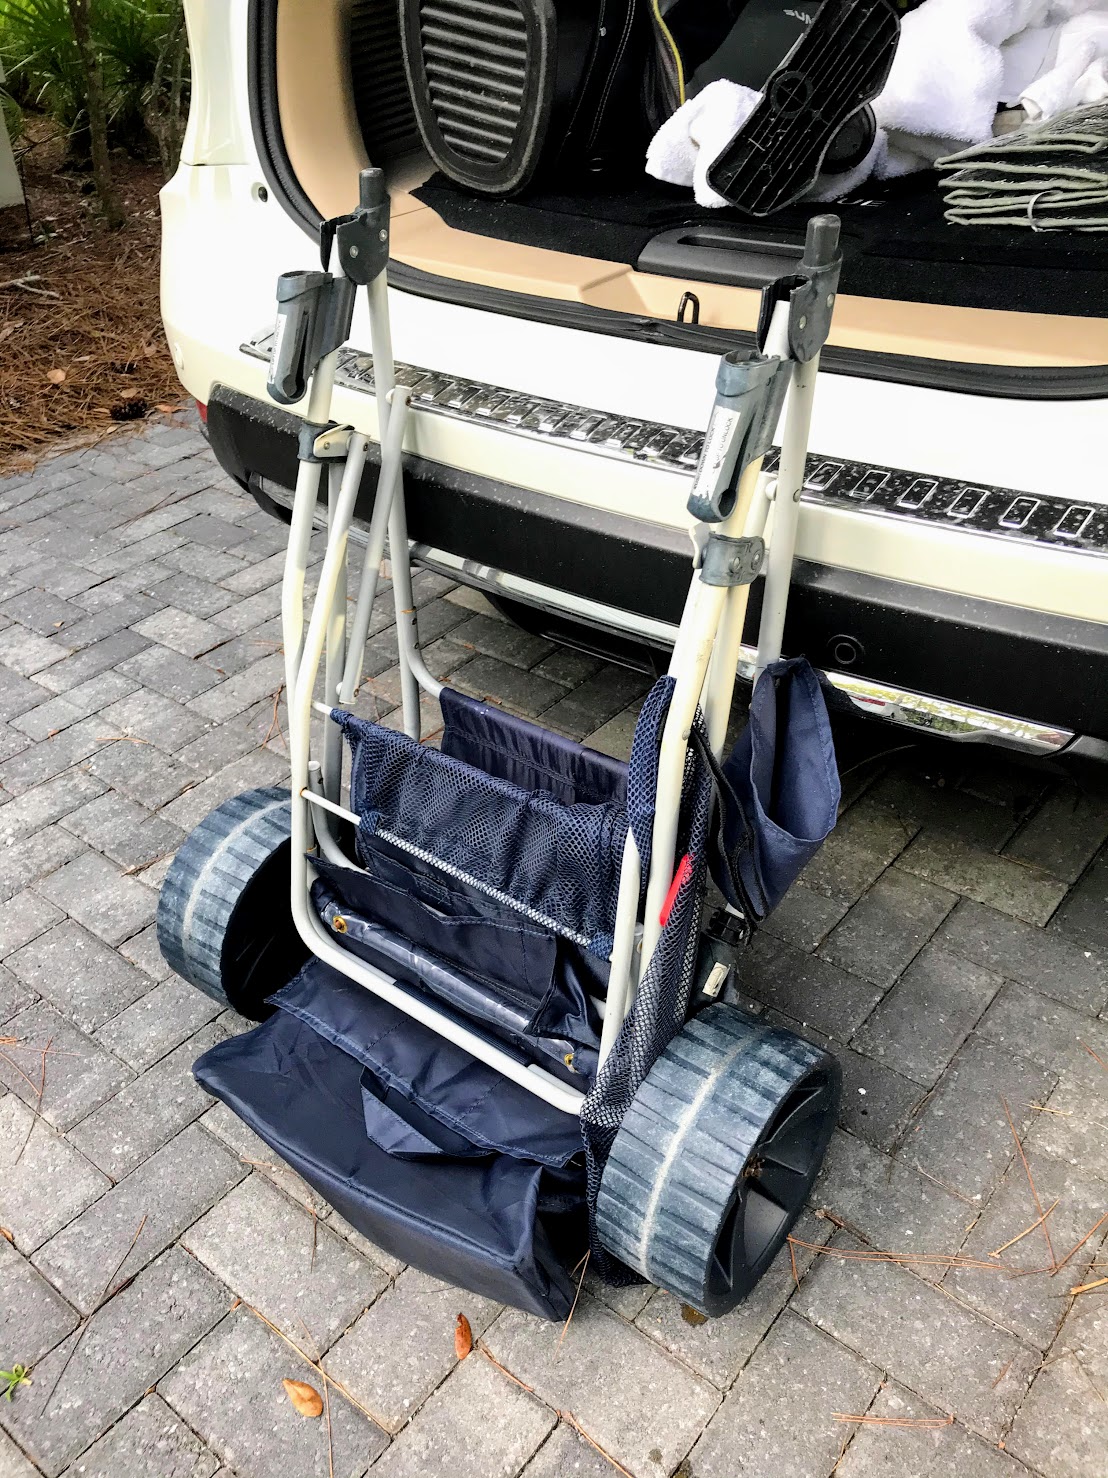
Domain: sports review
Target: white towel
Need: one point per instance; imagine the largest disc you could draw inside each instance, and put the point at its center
(956, 62)
(691, 140)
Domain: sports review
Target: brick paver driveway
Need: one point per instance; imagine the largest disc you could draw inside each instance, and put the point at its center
(949, 943)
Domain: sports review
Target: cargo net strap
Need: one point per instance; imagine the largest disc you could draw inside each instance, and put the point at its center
(662, 1000)
(555, 863)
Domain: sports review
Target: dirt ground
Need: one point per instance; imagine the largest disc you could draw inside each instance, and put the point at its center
(81, 345)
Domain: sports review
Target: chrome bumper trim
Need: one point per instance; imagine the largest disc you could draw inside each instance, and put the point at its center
(885, 492)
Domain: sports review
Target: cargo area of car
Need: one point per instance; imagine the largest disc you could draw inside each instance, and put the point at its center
(912, 283)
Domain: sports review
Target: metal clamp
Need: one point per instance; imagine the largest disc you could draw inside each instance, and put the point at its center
(750, 389)
(730, 561)
(363, 235)
(810, 293)
(314, 312)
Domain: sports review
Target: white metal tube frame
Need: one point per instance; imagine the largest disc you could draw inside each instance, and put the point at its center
(703, 666)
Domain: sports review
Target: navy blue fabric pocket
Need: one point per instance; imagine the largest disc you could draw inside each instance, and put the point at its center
(431, 1155)
(785, 784)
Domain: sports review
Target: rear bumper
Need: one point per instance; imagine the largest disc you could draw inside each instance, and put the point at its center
(965, 668)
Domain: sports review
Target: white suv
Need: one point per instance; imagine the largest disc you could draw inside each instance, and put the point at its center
(561, 346)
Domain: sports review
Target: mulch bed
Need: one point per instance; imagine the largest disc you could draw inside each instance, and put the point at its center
(82, 351)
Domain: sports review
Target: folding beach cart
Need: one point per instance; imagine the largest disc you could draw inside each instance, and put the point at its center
(491, 984)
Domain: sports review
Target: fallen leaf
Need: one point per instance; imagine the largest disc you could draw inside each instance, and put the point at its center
(693, 1316)
(305, 1398)
(463, 1337)
(166, 410)
(7, 1236)
(55, 376)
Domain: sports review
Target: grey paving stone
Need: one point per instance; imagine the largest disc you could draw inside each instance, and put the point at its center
(807, 988)
(617, 735)
(12, 742)
(887, 927)
(151, 1441)
(1014, 888)
(142, 950)
(239, 653)
(277, 1256)
(928, 1014)
(1062, 1427)
(1044, 1030)
(1045, 960)
(190, 593)
(889, 1205)
(627, 1302)
(247, 614)
(1032, 1305)
(719, 1348)
(804, 919)
(78, 1074)
(124, 831)
(234, 694)
(44, 1182)
(156, 1023)
(402, 1347)
(167, 672)
(563, 665)
(647, 1425)
(149, 1111)
(258, 767)
(79, 974)
(224, 743)
(500, 639)
(23, 652)
(878, 1450)
(180, 631)
(92, 661)
(47, 719)
(96, 893)
(33, 1316)
(127, 1346)
(931, 800)
(14, 996)
(920, 1337)
(877, 1103)
(477, 1410)
(962, 1135)
(1084, 915)
(40, 611)
(1076, 1129)
(865, 841)
(522, 692)
(19, 694)
(1064, 834)
(229, 1390)
(229, 1129)
(213, 531)
(12, 1462)
(779, 1418)
(155, 718)
(42, 761)
(138, 1218)
(143, 772)
(23, 917)
(598, 699)
(131, 610)
(33, 857)
(566, 1455)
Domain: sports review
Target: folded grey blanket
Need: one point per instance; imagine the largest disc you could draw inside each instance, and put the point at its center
(1048, 176)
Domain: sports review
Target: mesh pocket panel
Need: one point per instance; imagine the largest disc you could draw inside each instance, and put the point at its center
(558, 863)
